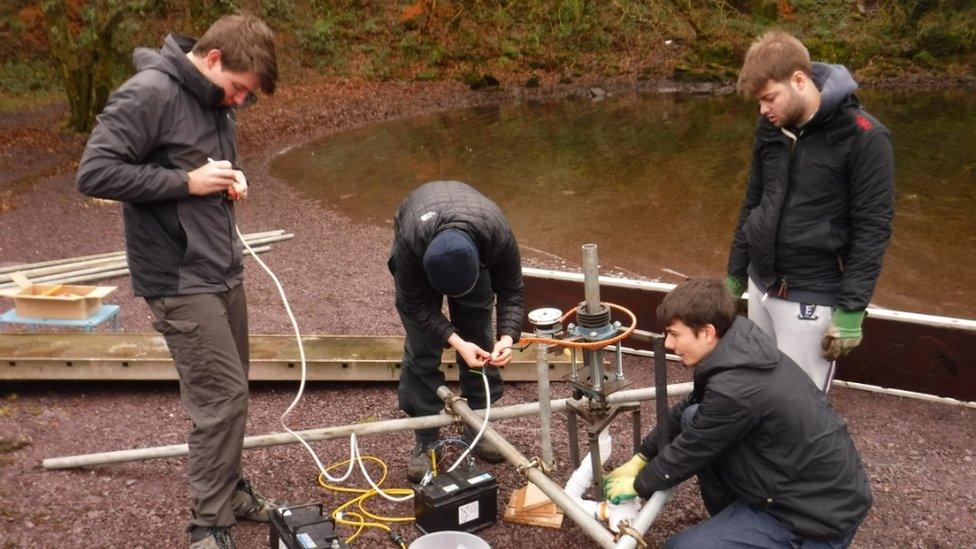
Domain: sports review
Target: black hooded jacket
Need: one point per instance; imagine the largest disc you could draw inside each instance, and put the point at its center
(769, 433)
(162, 123)
(432, 208)
(817, 212)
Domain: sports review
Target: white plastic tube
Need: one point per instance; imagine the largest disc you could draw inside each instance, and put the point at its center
(582, 478)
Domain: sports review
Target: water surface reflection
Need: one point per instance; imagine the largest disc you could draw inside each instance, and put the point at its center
(656, 181)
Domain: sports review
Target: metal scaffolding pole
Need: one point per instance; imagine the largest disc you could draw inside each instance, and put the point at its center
(584, 520)
(360, 429)
(645, 518)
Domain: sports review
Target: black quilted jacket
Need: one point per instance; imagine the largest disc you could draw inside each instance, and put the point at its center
(440, 205)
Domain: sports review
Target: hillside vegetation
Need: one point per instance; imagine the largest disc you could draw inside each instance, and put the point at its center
(516, 41)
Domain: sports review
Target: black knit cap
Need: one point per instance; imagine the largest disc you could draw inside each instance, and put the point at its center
(451, 262)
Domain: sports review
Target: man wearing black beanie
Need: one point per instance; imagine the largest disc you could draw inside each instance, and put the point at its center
(451, 241)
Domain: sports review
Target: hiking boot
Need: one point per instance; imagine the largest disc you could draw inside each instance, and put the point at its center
(420, 462)
(484, 450)
(211, 538)
(249, 504)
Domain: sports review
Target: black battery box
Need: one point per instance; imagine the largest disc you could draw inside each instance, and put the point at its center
(464, 501)
(303, 527)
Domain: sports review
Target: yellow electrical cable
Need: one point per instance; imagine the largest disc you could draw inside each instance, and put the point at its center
(364, 494)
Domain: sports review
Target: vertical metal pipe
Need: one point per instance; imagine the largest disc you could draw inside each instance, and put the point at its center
(545, 408)
(574, 376)
(596, 463)
(661, 384)
(571, 419)
(584, 520)
(620, 363)
(592, 358)
(591, 279)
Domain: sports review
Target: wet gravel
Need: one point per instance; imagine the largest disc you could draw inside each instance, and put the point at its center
(920, 456)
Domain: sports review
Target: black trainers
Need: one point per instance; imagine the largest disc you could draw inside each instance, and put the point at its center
(249, 504)
(211, 538)
(484, 450)
(420, 462)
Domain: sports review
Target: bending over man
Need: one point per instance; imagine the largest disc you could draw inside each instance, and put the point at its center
(451, 241)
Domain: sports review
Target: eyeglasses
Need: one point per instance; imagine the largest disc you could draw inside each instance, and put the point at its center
(251, 99)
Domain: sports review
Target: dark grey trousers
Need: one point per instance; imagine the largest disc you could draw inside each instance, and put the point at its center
(207, 337)
(421, 375)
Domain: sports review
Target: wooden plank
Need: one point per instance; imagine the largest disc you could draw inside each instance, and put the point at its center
(514, 512)
(111, 356)
(534, 498)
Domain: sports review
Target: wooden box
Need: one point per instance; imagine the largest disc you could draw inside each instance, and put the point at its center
(58, 300)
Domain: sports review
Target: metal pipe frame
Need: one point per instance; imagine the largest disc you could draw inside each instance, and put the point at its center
(584, 520)
(343, 431)
(535, 475)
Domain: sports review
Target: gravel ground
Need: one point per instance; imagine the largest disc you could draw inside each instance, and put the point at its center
(920, 455)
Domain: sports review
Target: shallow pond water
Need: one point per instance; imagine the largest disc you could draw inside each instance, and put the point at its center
(656, 181)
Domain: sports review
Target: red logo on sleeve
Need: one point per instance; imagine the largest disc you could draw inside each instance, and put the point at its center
(862, 122)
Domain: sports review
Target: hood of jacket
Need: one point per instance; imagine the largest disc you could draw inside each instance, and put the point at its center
(171, 59)
(744, 345)
(836, 85)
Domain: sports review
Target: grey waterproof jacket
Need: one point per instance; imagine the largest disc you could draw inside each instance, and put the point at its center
(766, 431)
(163, 122)
(432, 208)
(816, 218)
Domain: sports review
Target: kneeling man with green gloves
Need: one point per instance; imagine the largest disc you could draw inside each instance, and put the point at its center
(775, 464)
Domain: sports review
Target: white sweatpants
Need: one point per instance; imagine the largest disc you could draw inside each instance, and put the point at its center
(797, 329)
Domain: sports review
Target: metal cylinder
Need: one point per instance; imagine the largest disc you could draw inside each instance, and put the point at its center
(545, 406)
(591, 358)
(574, 375)
(584, 520)
(619, 356)
(591, 278)
(343, 431)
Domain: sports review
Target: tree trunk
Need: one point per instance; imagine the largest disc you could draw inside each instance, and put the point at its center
(81, 44)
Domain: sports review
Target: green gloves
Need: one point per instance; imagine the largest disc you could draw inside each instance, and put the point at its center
(619, 489)
(630, 469)
(843, 335)
(735, 286)
(618, 486)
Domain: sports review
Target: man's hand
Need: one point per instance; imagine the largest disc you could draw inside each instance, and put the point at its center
(843, 335)
(630, 469)
(212, 177)
(473, 356)
(502, 352)
(619, 489)
(735, 286)
(238, 191)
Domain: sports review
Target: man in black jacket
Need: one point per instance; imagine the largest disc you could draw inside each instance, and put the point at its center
(451, 241)
(775, 464)
(165, 147)
(816, 218)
